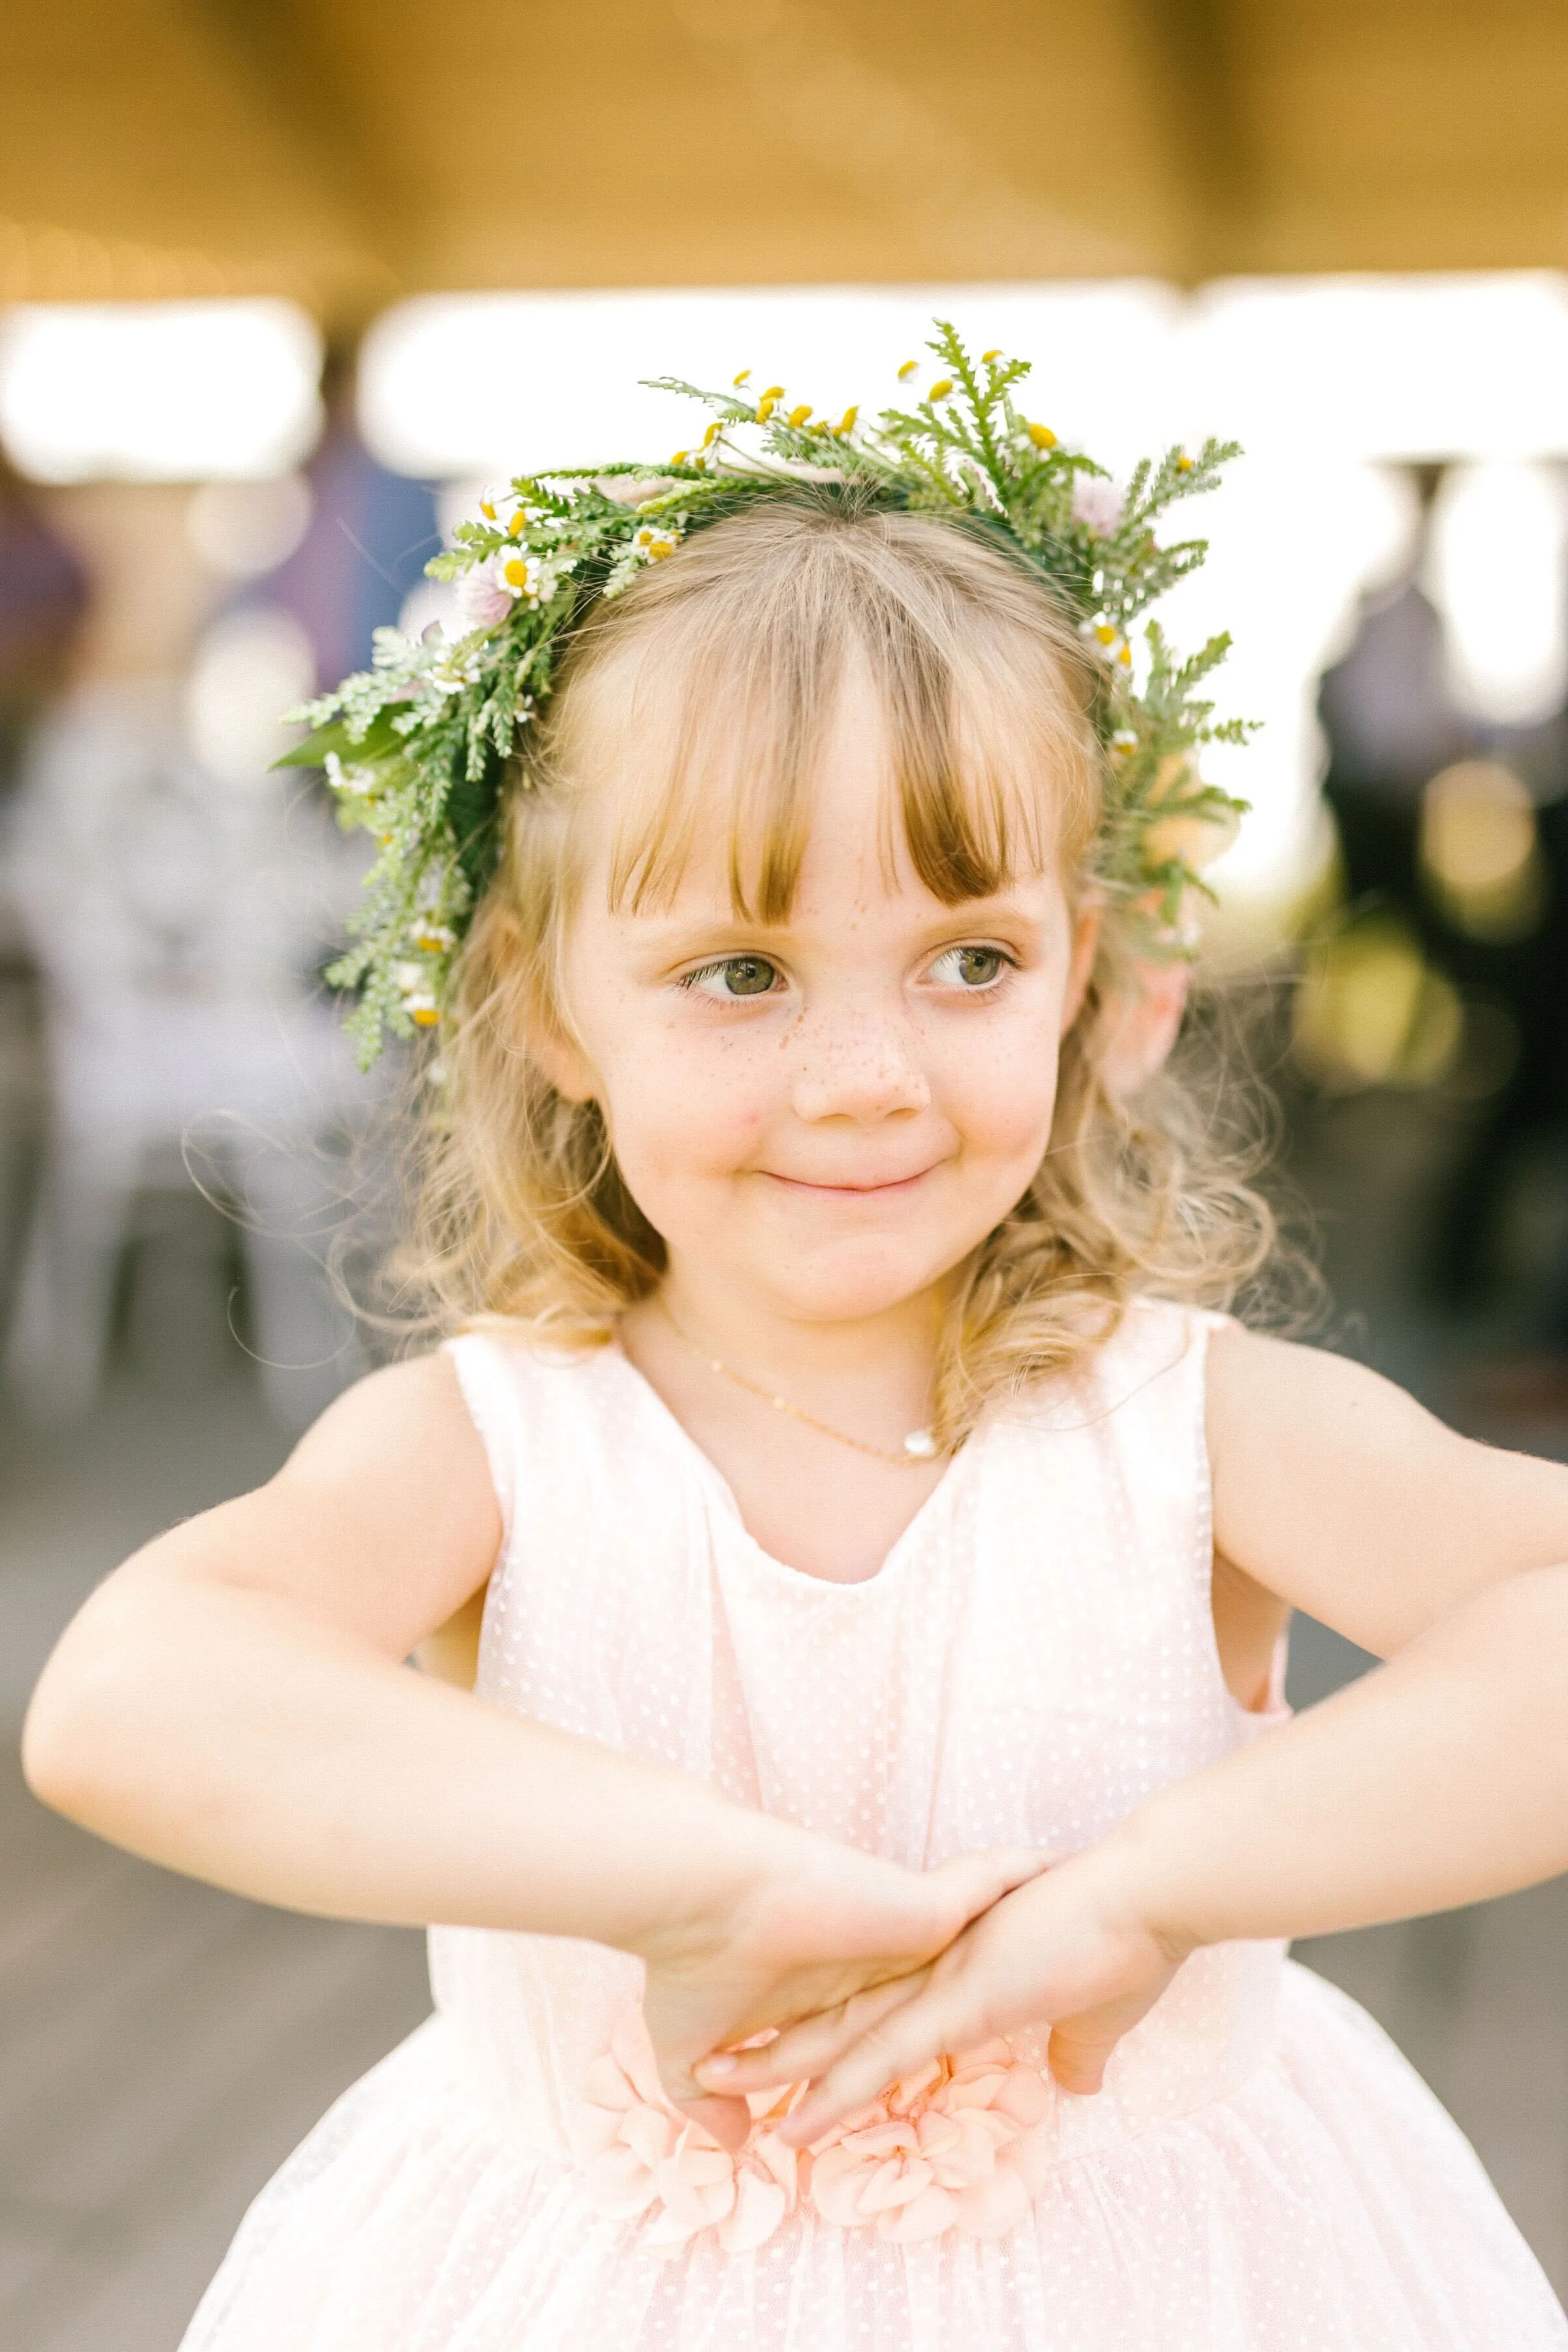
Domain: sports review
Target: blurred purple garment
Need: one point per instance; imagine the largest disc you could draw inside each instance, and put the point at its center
(371, 534)
(1387, 707)
(43, 601)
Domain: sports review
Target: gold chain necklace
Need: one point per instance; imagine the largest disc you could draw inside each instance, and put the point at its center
(920, 1445)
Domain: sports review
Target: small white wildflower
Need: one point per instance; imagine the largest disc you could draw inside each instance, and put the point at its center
(1107, 640)
(412, 981)
(653, 544)
(528, 577)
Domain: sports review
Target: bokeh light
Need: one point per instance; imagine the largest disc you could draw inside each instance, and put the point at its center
(1480, 851)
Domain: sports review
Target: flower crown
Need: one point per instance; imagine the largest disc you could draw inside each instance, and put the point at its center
(416, 747)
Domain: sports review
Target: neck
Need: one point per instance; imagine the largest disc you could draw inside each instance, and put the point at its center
(808, 1358)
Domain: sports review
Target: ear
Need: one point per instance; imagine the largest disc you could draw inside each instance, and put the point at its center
(1139, 1026)
(562, 1061)
(1080, 962)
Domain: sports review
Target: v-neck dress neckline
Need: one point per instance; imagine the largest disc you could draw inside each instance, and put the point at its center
(718, 1491)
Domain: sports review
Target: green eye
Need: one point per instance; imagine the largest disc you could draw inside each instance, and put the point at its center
(972, 967)
(734, 976)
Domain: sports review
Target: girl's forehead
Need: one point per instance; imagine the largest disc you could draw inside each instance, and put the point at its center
(694, 797)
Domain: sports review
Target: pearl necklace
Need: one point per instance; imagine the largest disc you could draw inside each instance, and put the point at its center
(920, 1445)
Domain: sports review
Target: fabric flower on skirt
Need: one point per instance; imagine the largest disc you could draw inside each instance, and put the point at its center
(640, 2155)
(953, 2148)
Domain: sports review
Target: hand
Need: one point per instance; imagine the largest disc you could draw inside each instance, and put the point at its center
(1067, 1948)
(819, 1928)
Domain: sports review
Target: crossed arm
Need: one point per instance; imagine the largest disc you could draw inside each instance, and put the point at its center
(232, 1702)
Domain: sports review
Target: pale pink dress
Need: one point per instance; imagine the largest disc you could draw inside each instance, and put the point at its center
(1263, 2172)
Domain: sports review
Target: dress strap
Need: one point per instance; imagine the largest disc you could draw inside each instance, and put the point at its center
(488, 1380)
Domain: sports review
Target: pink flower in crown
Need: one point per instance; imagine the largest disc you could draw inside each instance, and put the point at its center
(640, 2155)
(953, 2148)
(1096, 503)
(481, 598)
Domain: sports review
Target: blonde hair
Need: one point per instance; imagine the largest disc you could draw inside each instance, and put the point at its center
(711, 681)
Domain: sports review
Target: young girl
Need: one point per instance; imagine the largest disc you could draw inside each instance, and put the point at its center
(864, 1869)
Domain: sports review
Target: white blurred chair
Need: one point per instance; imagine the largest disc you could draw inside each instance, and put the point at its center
(175, 913)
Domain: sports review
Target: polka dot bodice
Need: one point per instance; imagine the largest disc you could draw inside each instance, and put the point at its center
(1035, 1658)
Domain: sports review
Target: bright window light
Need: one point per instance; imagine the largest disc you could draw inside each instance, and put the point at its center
(467, 386)
(1430, 366)
(1496, 569)
(158, 391)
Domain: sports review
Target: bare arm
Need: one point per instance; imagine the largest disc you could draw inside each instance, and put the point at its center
(233, 1703)
(1439, 1779)
(1442, 1778)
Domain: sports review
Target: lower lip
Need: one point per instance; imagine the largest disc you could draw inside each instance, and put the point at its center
(866, 1192)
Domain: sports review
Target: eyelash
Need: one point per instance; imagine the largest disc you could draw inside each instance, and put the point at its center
(985, 947)
(722, 963)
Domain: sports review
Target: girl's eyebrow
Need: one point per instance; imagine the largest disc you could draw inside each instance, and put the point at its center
(966, 913)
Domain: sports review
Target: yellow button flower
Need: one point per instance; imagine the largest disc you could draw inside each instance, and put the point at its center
(940, 390)
(1042, 436)
(797, 416)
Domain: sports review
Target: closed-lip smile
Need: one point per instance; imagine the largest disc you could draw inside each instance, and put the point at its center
(882, 1189)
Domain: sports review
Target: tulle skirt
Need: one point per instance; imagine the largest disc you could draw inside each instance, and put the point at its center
(1330, 2205)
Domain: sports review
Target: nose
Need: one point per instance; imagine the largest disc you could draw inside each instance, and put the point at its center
(857, 1062)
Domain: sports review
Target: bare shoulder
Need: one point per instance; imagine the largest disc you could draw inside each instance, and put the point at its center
(383, 1518)
(405, 1422)
(1336, 1490)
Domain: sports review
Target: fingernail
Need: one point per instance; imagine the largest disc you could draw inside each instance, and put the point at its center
(721, 2063)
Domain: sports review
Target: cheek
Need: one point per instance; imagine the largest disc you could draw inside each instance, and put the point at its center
(1001, 1087)
(680, 1106)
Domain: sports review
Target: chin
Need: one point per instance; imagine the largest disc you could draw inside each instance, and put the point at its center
(855, 1281)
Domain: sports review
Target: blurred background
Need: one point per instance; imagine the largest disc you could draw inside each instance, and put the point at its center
(283, 283)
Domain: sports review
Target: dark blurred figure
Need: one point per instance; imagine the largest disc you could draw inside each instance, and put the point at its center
(1393, 728)
(1390, 724)
(43, 601)
(370, 536)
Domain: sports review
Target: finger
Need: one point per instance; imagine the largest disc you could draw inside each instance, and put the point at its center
(807, 2049)
(1077, 2058)
(903, 2042)
(729, 2119)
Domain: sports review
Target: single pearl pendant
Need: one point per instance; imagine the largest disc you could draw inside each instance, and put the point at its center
(920, 1444)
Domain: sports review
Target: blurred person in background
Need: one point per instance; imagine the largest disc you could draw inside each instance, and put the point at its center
(178, 899)
(363, 550)
(43, 601)
(1457, 826)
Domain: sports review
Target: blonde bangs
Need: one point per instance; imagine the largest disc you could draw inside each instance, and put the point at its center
(700, 704)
